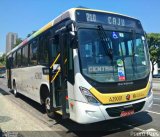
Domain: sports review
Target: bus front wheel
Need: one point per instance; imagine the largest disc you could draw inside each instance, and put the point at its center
(45, 96)
(49, 112)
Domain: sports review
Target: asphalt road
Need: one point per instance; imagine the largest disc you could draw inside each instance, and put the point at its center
(136, 125)
(156, 84)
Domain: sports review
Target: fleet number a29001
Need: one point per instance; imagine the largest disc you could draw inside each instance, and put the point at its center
(115, 99)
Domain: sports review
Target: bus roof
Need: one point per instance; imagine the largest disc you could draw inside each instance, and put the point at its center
(67, 14)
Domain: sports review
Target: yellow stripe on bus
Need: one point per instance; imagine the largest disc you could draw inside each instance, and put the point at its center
(111, 98)
(55, 75)
(47, 26)
(57, 71)
(55, 60)
(59, 112)
(65, 61)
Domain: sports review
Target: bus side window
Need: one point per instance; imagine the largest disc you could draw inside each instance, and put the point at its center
(25, 56)
(54, 47)
(33, 52)
(43, 51)
(19, 58)
(14, 60)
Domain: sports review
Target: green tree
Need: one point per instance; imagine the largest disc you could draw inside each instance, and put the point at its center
(3, 60)
(31, 33)
(154, 48)
(18, 41)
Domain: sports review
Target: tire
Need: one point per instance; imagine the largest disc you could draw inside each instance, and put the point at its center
(49, 112)
(15, 89)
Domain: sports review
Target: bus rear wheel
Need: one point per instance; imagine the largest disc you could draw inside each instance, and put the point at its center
(15, 89)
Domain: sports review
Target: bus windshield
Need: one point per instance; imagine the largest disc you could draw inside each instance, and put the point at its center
(113, 56)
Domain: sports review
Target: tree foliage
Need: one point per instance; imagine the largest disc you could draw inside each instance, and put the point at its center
(31, 33)
(3, 60)
(18, 41)
(154, 48)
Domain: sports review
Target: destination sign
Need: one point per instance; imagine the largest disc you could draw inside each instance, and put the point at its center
(99, 69)
(107, 18)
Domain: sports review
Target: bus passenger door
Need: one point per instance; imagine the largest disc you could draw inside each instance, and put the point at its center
(58, 82)
(67, 71)
(61, 72)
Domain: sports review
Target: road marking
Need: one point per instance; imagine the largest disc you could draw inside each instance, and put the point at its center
(157, 105)
(135, 128)
(151, 129)
(152, 132)
(156, 98)
(153, 112)
(156, 93)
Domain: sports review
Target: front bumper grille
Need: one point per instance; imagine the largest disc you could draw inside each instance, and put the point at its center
(116, 111)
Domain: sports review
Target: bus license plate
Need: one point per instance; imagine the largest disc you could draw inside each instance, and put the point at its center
(127, 113)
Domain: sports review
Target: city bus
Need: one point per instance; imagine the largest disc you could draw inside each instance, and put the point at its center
(87, 65)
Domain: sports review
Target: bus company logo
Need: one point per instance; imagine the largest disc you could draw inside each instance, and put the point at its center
(138, 95)
(128, 97)
(134, 95)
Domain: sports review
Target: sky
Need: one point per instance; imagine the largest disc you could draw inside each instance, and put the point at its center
(25, 16)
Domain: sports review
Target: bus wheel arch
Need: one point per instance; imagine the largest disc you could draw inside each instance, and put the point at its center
(44, 91)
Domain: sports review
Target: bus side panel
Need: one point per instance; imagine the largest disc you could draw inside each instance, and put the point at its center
(74, 93)
(28, 81)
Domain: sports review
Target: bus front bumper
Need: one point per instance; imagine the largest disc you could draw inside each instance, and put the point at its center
(87, 113)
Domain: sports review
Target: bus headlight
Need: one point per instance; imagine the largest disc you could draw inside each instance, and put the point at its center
(88, 96)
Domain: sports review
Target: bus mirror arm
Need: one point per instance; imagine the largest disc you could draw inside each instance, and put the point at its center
(73, 39)
(69, 24)
(74, 43)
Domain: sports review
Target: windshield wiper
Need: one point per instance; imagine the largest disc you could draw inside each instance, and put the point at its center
(106, 45)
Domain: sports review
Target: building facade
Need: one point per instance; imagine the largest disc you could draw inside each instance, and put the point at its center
(10, 41)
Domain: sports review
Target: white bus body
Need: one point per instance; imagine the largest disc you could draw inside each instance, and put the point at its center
(85, 102)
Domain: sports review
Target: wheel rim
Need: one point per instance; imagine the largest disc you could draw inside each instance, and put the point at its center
(14, 88)
(47, 102)
(15, 92)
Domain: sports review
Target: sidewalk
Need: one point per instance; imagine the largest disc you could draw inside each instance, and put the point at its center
(156, 84)
(17, 122)
(13, 118)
